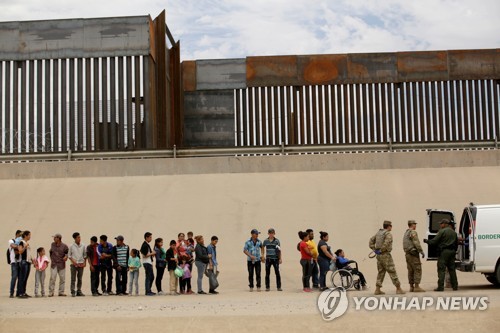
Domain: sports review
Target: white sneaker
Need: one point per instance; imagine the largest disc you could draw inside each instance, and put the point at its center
(105, 294)
(161, 293)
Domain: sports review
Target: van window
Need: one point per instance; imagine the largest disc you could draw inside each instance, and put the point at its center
(436, 218)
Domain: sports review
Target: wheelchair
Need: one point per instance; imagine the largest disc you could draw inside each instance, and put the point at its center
(345, 277)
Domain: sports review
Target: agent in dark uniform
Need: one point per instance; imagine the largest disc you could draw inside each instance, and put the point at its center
(446, 240)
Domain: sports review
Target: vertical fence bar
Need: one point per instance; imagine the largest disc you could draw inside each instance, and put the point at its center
(104, 104)
(138, 120)
(468, 107)
(97, 131)
(263, 119)
(80, 119)
(496, 106)
(15, 106)
(88, 104)
(272, 119)
(112, 101)
(415, 112)
(72, 102)
(367, 137)
(453, 106)
(128, 103)
(439, 113)
(24, 88)
(301, 110)
(258, 119)
(244, 118)
(314, 116)
(446, 124)
(278, 114)
(321, 116)
(488, 107)
(295, 114)
(121, 100)
(55, 105)
(377, 123)
(357, 113)
(390, 123)
(478, 113)
(461, 109)
(396, 93)
(64, 106)
(251, 123)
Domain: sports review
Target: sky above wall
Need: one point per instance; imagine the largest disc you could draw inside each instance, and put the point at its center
(214, 29)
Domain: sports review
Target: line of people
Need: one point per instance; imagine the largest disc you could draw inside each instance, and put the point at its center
(105, 260)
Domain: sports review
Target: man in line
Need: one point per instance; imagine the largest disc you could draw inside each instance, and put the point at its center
(93, 259)
(314, 251)
(413, 250)
(104, 250)
(381, 244)
(147, 261)
(254, 250)
(120, 262)
(447, 241)
(58, 256)
(273, 258)
(213, 264)
(14, 264)
(77, 256)
(25, 263)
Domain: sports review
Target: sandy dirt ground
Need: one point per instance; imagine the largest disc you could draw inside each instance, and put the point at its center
(350, 205)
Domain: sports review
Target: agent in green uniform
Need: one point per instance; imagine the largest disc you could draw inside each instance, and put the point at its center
(446, 240)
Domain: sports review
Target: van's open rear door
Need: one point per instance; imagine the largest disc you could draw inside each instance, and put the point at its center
(434, 217)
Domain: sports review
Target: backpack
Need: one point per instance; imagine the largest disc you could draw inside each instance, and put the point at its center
(8, 253)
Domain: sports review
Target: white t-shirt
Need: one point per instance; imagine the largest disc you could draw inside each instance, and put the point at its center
(12, 253)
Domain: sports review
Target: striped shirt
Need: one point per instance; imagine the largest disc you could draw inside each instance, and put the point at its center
(121, 255)
(272, 248)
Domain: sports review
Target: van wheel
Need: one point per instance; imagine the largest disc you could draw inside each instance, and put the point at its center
(491, 279)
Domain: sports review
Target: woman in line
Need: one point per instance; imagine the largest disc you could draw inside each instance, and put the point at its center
(161, 263)
(201, 261)
(325, 257)
(305, 261)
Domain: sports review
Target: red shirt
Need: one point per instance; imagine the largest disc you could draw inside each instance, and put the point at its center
(303, 253)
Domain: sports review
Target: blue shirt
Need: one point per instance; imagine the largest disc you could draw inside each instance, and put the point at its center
(253, 249)
(211, 250)
(272, 248)
(343, 261)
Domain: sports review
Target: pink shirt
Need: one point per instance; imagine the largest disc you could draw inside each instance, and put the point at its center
(41, 263)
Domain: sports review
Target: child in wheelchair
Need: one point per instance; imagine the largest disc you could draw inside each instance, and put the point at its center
(344, 263)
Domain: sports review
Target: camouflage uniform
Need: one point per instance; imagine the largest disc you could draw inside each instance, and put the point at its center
(412, 248)
(382, 241)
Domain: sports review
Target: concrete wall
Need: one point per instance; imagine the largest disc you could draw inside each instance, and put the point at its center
(250, 164)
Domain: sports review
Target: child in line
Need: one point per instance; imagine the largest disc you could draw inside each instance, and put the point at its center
(41, 263)
(172, 265)
(344, 263)
(186, 277)
(134, 263)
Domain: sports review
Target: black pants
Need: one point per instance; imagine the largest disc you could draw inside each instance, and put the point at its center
(121, 280)
(306, 272)
(276, 264)
(150, 276)
(23, 276)
(185, 284)
(94, 279)
(159, 276)
(106, 270)
(253, 266)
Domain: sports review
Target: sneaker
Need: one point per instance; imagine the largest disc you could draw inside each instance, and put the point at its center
(438, 289)
(323, 288)
(251, 289)
(73, 294)
(279, 289)
(161, 293)
(11, 296)
(307, 290)
(268, 289)
(99, 294)
(62, 295)
(213, 292)
(95, 294)
(23, 296)
(125, 293)
(111, 293)
(105, 294)
(150, 294)
(189, 292)
(258, 289)
(119, 294)
(80, 294)
(51, 295)
(201, 292)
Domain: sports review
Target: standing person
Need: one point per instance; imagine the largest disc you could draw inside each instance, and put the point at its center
(161, 264)
(325, 257)
(105, 253)
(93, 259)
(120, 263)
(14, 264)
(272, 248)
(134, 263)
(447, 241)
(147, 262)
(25, 264)
(306, 260)
(201, 261)
(58, 256)
(314, 265)
(172, 260)
(41, 263)
(78, 256)
(381, 244)
(254, 250)
(413, 250)
(186, 277)
(212, 262)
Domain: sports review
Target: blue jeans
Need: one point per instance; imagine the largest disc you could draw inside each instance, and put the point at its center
(276, 264)
(306, 272)
(253, 266)
(23, 277)
(150, 276)
(14, 268)
(324, 267)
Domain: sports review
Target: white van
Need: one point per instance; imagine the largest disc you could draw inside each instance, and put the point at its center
(479, 230)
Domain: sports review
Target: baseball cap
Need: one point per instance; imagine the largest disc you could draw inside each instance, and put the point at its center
(57, 235)
(410, 222)
(271, 231)
(445, 221)
(255, 231)
(120, 238)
